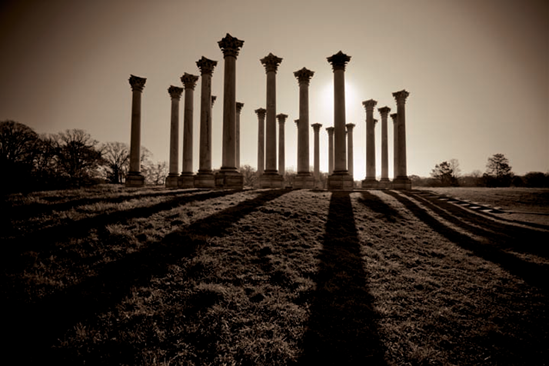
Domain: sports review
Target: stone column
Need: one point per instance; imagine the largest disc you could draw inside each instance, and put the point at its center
(340, 178)
(238, 110)
(229, 176)
(173, 175)
(186, 179)
(330, 149)
(303, 178)
(384, 182)
(350, 158)
(401, 181)
(281, 146)
(205, 177)
(260, 141)
(134, 177)
(297, 152)
(370, 181)
(316, 128)
(394, 116)
(271, 178)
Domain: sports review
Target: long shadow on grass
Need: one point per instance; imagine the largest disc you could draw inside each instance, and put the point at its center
(377, 205)
(36, 327)
(45, 239)
(532, 273)
(342, 328)
(507, 236)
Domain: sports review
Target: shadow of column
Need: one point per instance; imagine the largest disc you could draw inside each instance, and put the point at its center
(342, 329)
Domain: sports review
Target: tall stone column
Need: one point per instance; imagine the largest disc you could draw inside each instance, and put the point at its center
(297, 145)
(394, 116)
(134, 177)
(205, 177)
(303, 178)
(330, 131)
(350, 158)
(384, 182)
(370, 181)
(271, 178)
(229, 176)
(238, 110)
(401, 181)
(316, 128)
(173, 175)
(281, 144)
(340, 178)
(260, 141)
(186, 179)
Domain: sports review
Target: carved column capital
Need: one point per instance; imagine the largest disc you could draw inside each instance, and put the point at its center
(206, 66)
(375, 121)
(281, 117)
(394, 116)
(316, 126)
(175, 92)
(189, 81)
(384, 111)
(339, 61)
(296, 122)
(304, 76)
(401, 96)
(213, 99)
(239, 107)
(261, 112)
(137, 83)
(350, 126)
(230, 46)
(369, 105)
(330, 130)
(271, 62)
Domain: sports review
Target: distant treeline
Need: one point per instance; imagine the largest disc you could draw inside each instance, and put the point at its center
(69, 159)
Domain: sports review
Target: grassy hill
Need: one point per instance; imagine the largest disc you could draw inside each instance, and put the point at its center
(275, 277)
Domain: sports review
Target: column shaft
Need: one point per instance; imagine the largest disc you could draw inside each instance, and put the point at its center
(229, 115)
(384, 144)
(188, 132)
(270, 156)
(316, 128)
(281, 144)
(260, 141)
(330, 150)
(340, 160)
(205, 165)
(238, 111)
(394, 116)
(135, 146)
(350, 158)
(303, 159)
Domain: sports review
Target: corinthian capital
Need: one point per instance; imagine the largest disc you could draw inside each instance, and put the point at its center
(239, 107)
(261, 112)
(213, 100)
(189, 81)
(316, 126)
(304, 76)
(137, 83)
(296, 122)
(369, 105)
(330, 130)
(271, 62)
(175, 92)
(281, 117)
(339, 60)
(230, 46)
(394, 116)
(384, 111)
(206, 66)
(350, 126)
(401, 96)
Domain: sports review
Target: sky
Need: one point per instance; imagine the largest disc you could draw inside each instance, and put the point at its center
(477, 72)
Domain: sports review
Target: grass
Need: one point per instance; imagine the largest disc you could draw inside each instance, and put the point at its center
(273, 277)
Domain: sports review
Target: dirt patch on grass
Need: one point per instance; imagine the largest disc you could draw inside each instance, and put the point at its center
(271, 277)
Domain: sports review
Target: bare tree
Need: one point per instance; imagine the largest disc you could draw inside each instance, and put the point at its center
(116, 157)
(155, 173)
(444, 174)
(498, 171)
(17, 143)
(78, 158)
(250, 175)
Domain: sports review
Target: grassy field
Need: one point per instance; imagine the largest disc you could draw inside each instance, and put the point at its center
(120, 276)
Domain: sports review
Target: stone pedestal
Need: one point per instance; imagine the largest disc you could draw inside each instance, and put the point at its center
(370, 181)
(303, 179)
(173, 175)
(271, 178)
(340, 178)
(330, 131)
(401, 181)
(205, 177)
(134, 177)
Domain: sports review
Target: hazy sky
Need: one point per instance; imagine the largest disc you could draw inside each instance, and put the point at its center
(477, 71)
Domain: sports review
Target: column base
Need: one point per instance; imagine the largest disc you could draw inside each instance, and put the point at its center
(384, 183)
(403, 183)
(270, 180)
(204, 180)
(186, 180)
(171, 181)
(135, 179)
(340, 182)
(370, 183)
(304, 181)
(229, 180)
